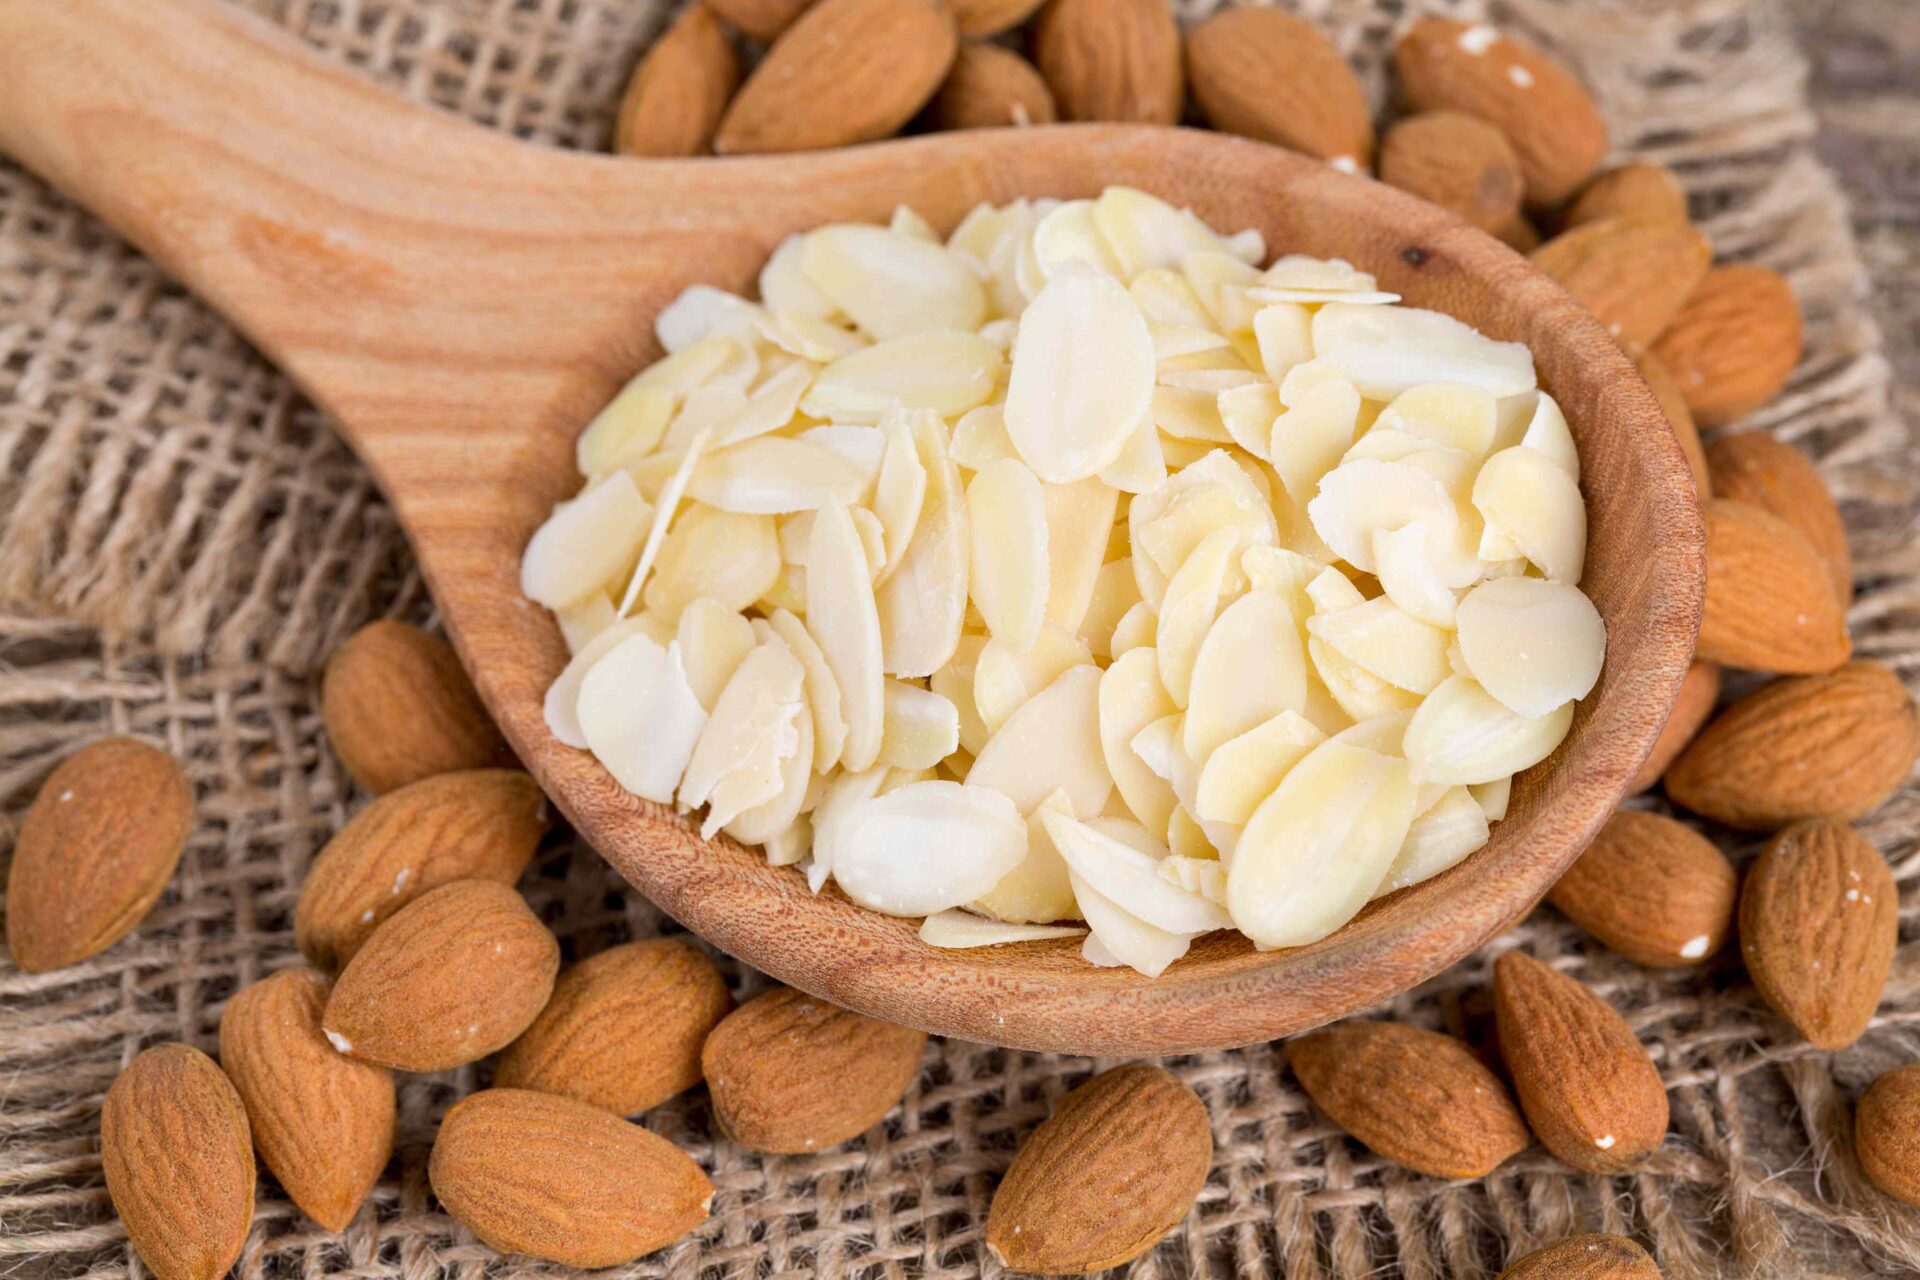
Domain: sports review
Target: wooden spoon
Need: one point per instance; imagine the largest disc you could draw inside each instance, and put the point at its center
(461, 303)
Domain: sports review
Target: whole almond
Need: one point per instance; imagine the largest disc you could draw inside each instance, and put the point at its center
(1771, 474)
(398, 707)
(452, 976)
(1519, 234)
(1419, 1098)
(1770, 601)
(1654, 890)
(1886, 1133)
(846, 71)
(1111, 60)
(1585, 1257)
(624, 1028)
(1674, 405)
(1263, 73)
(1634, 274)
(1827, 746)
(1552, 122)
(989, 87)
(990, 17)
(1699, 695)
(1819, 922)
(673, 103)
(321, 1122)
(179, 1162)
(478, 824)
(1630, 191)
(561, 1180)
(1115, 1167)
(95, 851)
(1585, 1082)
(1457, 161)
(791, 1074)
(1734, 344)
(761, 20)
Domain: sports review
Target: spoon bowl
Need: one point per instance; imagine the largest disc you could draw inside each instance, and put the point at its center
(462, 303)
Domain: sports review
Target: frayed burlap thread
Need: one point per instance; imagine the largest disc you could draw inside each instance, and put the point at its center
(183, 540)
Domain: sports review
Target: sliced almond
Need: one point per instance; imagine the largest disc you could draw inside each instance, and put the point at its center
(922, 604)
(892, 284)
(1533, 503)
(944, 370)
(1532, 644)
(1243, 771)
(1082, 376)
(1010, 575)
(1388, 350)
(922, 727)
(1050, 744)
(1463, 735)
(843, 620)
(927, 847)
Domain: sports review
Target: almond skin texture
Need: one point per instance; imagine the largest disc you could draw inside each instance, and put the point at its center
(791, 1074)
(1419, 1098)
(990, 87)
(1830, 746)
(1633, 274)
(1266, 74)
(846, 71)
(1111, 60)
(1886, 1133)
(1459, 162)
(96, 850)
(561, 1180)
(1585, 1257)
(1819, 922)
(990, 17)
(1584, 1081)
(321, 1122)
(398, 707)
(1699, 694)
(1753, 467)
(1652, 889)
(1735, 343)
(1770, 601)
(678, 93)
(1674, 405)
(1113, 1169)
(624, 1028)
(1631, 191)
(452, 976)
(479, 824)
(1555, 129)
(179, 1162)
(761, 20)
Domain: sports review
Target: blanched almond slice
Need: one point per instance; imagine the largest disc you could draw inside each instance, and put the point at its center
(1359, 498)
(922, 727)
(730, 557)
(859, 445)
(955, 683)
(926, 847)
(714, 640)
(1212, 376)
(1037, 890)
(1387, 350)
(1250, 667)
(1067, 238)
(899, 492)
(784, 285)
(1455, 554)
(1144, 231)
(666, 507)
(1309, 439)
(844, 792)
(1547, 431)
(908, 222)
(1079, 520)
(702, 311)
(1492, 797)
(843, 621)
(1463, 735)
(640, 718)
(1331, 591)
(892, 284)
(694, 366)
(1082, 376)
(1212, 493)
(771, 819)
(1531, 643)
(1244, 771)
(1007, 514)
(1165, 298)
(791, 846)
(1447, 413)
(951, 929)
(1359, 693)
(751, 733)
(1525, 497)
(944, 370)
(1188, 415)
(1131, 879)
(1317, 275)
(1134, 630)
(1114, 592)
(1389, 444)
(1386, 641)
(1284, 333)
(1124, 938)
(1316, 848)
(1188, 838)
(1403, 561)
(1052, 743)
(1131, 697)
(585, 542)
(1248, 413)
(709, 410)
(773, 475)
(980, 438)
(1174, 343)
(981, 229)
(1192, 602)
(1445, 834)
(873, 539)
(1221, 281)
(1005, 677)
(923, 602)
(629, 427)
(1141, 466)
(1283, 571)
(582, 621)
(823, 690)
(562, 703)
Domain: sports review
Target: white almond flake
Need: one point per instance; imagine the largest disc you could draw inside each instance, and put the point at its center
(1079, 521)
(1131, 879)
(781, 816)
(1114, 592)
(1187, 613)
(814, 340)
(964, 929)
(665, 508)
(1535, 505)
(1493, 797)
(1007, 514)
(923, 602)
(862, 446)
(1357, 499)
(1404, 563)
(1547, 431)
(1283, 332)
(893, 284)
(785, 288)
(1243, 771)
(1388, 350)
(873, 539)
(1141, 466)
(1134, 630)
(1050, 744)
(791, 846)
(714, 640)
(1067, 239)
(752, 731)
(732, 558)
(1143, 231)
(561, 706)
(1004, 677)
(681, 371)
(844, 791)
(1462, 734)
(1448, 413)
(1359, 693)
(1038, 889)
(631, 426)
(956, 682)
(922, 727)
(1248, 413)
(1165, 298)
(1309, 439)
(842, 619)
(1453, 827)
(702, 311)
(640, 717)
(980, 438)
(585, 542)
(1387, 642)
(1082, 376)
(1125, 937)
(900, 491)
(581, 621)
(1131, 698)
(1533, 644)
(773, 475)
(1251, 667)
(944, 370)
(926, 847)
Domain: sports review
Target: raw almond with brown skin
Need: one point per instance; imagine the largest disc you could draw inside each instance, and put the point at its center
(95, 851)
(1520, 234)
(789, 1073)
(623, 1029)
(1886, 1133)
(1819, 921)
(1556, 130)
(1585, 1257)
(1457, 161)
(1111, 60)
(1679, 417)
(761, 20)
(1419, 1098)
(1734, 344)
(1770, 601)
(1654, 890)
(1771, 474)
(179, 1162)
(846, 71)
(1263, 73)
(990, 17)
(449, 978)
(989, 87)
(398, 707)
(1631, 191)
(1115, 1167)
(1634, 274)
(561, 1180)
(321, 1122)
(1585, 1083)
(479, 824)
(1699, 694)
(678, 93)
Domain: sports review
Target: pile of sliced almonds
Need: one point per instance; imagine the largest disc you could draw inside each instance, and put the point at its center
(1074, 569)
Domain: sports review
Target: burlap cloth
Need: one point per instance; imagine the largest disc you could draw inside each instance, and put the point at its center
(183, 540)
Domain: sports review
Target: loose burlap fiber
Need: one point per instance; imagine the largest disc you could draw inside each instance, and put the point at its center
(183, 540)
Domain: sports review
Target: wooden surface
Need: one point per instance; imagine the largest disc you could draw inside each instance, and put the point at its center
(461, 303)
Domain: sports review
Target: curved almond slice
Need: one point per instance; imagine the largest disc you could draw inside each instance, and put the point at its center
(1283, 332)
(1067, 237)
(773, 475)
(1331, 591)
(823, 690)
(698, 365)
(1082, 377)
(1007, 514)
(956, 682)
(952, 929)
(899, 492)
(892, 284)
(1310, 438)
(1462, 735)
(926, 847)
(1114, 592)
(944, 370)
(1143, 231)
(1124, 938)
(1050, 744)
(784, 285)
(640, 717)
(1386, 642)
(1445, 834)
(585, 542)
(1037, 890)
(1131, 879)
(1079, 523)
(1221, 282)
(1282, 571)
(582, 621)
(1134, 630)
(1213, 492)
(922, 727)
(1004, 678)
(562, 704)
(771, 407)
(732, 558)
(1165, 298)
(1250, 667)
(1359, 693)
(1244, 771)
(1316, 849)
(1249, 413)
(1387, 350)
(1492, 797)
(751, 733)
(1447, 413)
(923, 602)
(1188, 415)
(1526, 497)
(810, 339)
(908, 222)
(1389, 444)
(1531, 643)
(1179, 342)
(702, 311)
(873, 539)
(1547, 431)
(1454, 550)
(714, 640)
(1131, 698)
(1402, 559)
(767, 822)
(843, 792)
(1317, 275)
(1187, 613)
(791, 846)
(631, 426)
(844, 623)
(1142, 464)
(982, 228)
(980, 438)
(1359, 498)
